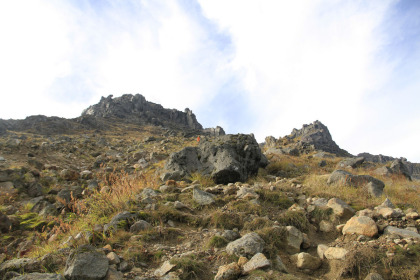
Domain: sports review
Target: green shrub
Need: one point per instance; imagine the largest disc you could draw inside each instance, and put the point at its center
(191, 267)
(274, 238)
(225, 220)
(294, 218)
(217, 242)
(275, 198)
(258, 223)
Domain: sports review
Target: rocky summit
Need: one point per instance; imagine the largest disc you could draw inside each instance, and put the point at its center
(312, 137)
(135, 109)
(131, 190)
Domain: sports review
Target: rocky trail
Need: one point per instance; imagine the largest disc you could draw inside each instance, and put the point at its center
(143, 199)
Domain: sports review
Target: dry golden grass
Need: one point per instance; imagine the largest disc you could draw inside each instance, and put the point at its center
(98, 208)
(400, 191)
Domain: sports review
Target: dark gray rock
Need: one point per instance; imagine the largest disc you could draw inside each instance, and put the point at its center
(413, 168)
(66, 196)
(351, 162)
(135, 109)
(44, 208)
(398, 167)
(230, 235)
(403, 233)
(5, 223)
(140, 226)
(247, 246)
(374, 186)
(202, 197)
(86, 263)
(226, 159)
(318, 136)
(34, 190)
(214, 131)
(120, 221)
(24, 264)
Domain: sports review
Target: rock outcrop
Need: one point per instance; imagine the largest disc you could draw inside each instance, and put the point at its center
(227, 159)
(399, 166)
(317, 135)
(136, 109)
(312, 137)
(373, 186)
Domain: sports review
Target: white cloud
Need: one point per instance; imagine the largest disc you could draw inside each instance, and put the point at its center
(307, 60)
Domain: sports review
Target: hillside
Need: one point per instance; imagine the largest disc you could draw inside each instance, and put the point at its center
(127, 191)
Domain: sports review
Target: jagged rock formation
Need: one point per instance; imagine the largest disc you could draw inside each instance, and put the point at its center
(401, 165)
(228, 159)
(376, 158)
(312, 137)
(214, 131)
(136, 109)
(129, 109)
(317, 135)
(41, 124)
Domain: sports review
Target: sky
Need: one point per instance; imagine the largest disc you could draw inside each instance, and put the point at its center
(262, 67)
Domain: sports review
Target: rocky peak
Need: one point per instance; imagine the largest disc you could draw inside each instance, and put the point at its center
(317, 135)
(136, 109)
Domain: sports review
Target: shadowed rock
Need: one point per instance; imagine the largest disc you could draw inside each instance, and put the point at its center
(226, 159)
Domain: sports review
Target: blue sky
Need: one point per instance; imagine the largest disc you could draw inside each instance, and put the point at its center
(262, 67)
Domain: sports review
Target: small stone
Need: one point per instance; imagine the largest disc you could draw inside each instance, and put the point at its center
(113, 274)
(321, 250)
(333, 253)
(140, 226)
(202, 197)
(294, 239)
(306, 261)
(228, 272)
(279, 265)
(340, 208)
(326, 226)
(165, 268)
(388, 203)
(256, 262)
(242, 261)
(113, 258)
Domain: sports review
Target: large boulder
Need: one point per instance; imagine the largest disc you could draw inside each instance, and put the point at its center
(403, 233)
(202, 197)
(340, 208)
(23, 264)
(227, 159)
(86, 263)
(373, 186)
(361, 225)
(398, 167)
(351, 162)
(294, 239)
(246, 246)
